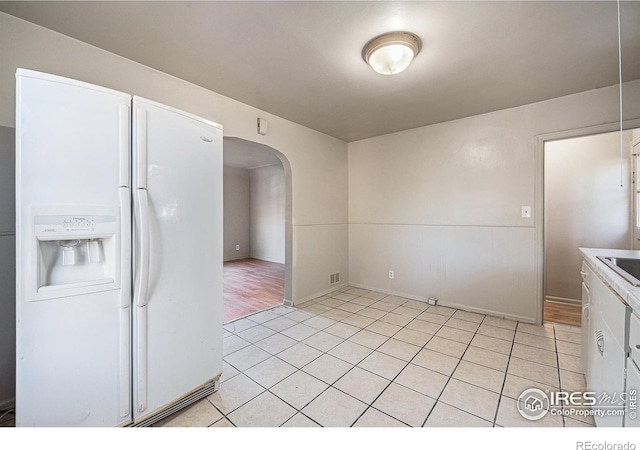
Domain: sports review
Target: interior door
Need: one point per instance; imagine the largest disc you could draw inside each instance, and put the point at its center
(178, 295)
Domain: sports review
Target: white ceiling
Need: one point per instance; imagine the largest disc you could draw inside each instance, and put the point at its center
(302, 60)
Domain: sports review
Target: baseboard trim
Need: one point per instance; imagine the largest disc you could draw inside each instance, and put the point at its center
(489, 312)
(235, 258)
(277, 261)
(389, 292)
(449, 304)
(318, 294)
(562, 300)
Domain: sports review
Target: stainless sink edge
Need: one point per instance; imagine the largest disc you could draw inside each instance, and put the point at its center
(624, 274)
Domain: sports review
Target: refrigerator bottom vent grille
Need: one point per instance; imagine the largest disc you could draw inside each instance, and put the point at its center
(199, 394)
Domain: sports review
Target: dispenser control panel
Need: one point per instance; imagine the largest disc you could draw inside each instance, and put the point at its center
(77, 225)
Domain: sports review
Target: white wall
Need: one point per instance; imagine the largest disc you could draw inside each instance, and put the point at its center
(237, 213)
(254, 213)
(318, 163)
(585, 206)
(268, 213)
(441, 204)
(7, 267)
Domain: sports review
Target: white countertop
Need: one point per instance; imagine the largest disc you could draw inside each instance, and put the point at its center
(628, 292)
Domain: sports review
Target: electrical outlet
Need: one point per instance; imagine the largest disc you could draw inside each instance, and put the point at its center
(391, 274)
(237, 247)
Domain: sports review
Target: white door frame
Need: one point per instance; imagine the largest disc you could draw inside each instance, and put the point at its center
(539, 194)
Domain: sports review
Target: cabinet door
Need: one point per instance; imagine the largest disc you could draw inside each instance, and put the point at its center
(585, 325)
(606, 356)
(612, 380)
(588, 340)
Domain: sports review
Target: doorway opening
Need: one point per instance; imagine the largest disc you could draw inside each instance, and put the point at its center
(589, 202)
(257, 228)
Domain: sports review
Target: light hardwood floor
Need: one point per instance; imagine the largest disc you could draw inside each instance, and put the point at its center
(251, 285)
(561, 313)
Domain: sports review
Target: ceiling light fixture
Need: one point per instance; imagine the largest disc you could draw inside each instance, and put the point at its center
(391, 53)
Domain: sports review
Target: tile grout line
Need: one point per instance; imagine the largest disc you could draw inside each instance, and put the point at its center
(504, 381)
(388, 338)
(340, 377)
(411, 318)
(454, 370)
(298, 369)
(447, 383)
(409, 362)
(555, 345)
(370, 405)
(424, 346)
(396, 376)
(564, 418)
(271, 355)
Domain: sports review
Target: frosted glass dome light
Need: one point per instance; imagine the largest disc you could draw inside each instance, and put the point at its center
(391, 53)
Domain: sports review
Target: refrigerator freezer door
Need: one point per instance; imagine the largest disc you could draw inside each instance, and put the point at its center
(179, 347)
(71, 346)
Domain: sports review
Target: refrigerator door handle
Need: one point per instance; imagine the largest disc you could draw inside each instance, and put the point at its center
(125, 246)
(141, 296)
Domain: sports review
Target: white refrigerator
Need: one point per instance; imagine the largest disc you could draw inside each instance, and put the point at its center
(119, 255)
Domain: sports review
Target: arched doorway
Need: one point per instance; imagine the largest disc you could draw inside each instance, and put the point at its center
(257, 228)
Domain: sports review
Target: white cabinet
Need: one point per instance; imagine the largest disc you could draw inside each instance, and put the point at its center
(605, 340)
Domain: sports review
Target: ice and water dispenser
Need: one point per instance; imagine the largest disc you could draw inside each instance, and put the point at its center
(75, 253)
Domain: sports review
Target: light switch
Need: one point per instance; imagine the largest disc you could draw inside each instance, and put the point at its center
(526, 212)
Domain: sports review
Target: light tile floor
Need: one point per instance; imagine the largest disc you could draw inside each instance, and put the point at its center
(364, 359)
